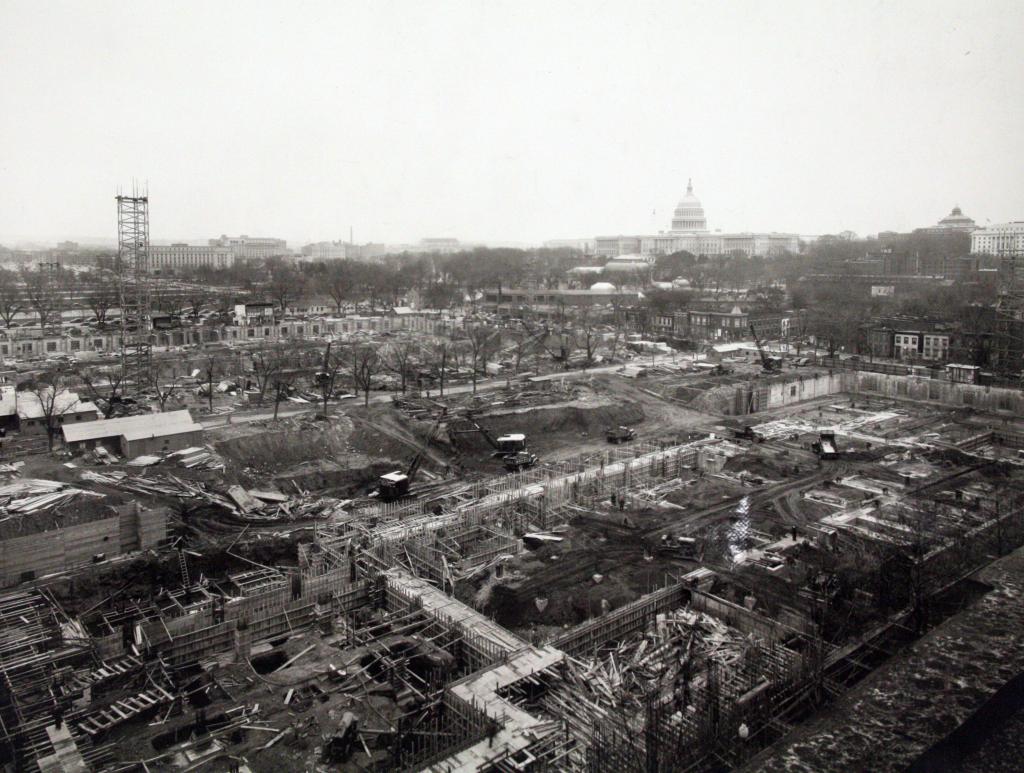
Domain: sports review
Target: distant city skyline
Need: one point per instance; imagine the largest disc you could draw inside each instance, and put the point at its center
(507, 122)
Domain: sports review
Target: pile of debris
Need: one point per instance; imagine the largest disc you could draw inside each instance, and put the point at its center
(32, 494)
(677, 646)
(255, 506)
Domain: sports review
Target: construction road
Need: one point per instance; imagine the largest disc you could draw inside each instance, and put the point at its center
(221, 420)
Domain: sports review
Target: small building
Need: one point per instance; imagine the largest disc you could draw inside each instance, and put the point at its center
(68, 409)
(254, 313)
(133, 436)
(8, 408)
(963, 374)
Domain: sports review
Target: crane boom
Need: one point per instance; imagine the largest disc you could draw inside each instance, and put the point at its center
(769, 365)
(477, 428)
(414, 465)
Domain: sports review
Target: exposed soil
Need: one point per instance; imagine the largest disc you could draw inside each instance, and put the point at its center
(603, 563)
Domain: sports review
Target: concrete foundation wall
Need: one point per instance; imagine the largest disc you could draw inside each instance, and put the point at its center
(56, 550)
(810, 387)
(755, 396)
(982, 398)
(61, 549)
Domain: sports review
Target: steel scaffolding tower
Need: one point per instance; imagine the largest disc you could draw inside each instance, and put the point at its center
(134, 288)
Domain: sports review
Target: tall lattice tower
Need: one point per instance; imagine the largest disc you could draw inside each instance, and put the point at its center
(134, 288)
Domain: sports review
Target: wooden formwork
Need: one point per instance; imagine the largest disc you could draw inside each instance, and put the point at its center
(624, 621)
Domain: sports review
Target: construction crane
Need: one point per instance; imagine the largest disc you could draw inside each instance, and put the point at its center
(510, 448)
(769, 364)
(540, 338)
(503, 445)
(395, 485)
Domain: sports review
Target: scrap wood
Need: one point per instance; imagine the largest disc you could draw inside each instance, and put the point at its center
(292, 660)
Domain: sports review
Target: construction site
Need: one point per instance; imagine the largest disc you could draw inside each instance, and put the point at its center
(588, 572)
(658, 561)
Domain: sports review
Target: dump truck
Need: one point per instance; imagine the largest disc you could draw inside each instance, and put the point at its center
(825, 446)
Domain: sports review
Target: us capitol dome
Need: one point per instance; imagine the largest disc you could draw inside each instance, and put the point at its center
(689, 215)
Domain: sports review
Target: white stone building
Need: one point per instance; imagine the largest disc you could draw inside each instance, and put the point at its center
(690, 232)
(175, 257)
(999, 239)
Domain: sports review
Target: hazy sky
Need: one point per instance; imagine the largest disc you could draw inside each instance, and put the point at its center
(515, 121)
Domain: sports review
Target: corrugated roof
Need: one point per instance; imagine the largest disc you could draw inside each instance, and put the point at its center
(133, 427)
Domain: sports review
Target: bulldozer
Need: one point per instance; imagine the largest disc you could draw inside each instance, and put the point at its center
(619, 434)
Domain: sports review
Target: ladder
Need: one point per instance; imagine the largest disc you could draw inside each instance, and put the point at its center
(183, 564)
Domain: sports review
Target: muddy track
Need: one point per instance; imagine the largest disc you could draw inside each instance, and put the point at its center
(705, 517)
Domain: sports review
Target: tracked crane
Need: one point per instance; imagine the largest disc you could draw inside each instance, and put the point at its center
(768, 364)
(510, 448)
(395, 485)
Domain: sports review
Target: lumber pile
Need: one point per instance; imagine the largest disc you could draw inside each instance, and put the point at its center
(257, 506)
(31, 495)
(676, 647)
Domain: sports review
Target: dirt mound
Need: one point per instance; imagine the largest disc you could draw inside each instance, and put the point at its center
(589, 416)
(271, 451)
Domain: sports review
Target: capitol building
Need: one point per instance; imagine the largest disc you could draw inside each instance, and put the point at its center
(690, 233)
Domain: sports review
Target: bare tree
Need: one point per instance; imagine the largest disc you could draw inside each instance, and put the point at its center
(441, 359)
(105, 387)
(100, 297)
(286, 283)
(54, 401)
(196, 297)
(480, 345)
(587, 336)
(282, 384)
(43, 294)
(169, 301)
(397, 358)
(163, 388)
(267, 362)
(365, 364)
(521, 344)
(340, 283)
(12, 298)
(327, 376)
(212, 369)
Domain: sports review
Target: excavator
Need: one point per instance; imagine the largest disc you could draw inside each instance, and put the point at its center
(768, 364)
(511, 448)
(395, 485)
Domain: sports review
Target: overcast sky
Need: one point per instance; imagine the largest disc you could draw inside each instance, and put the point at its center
(512, 121)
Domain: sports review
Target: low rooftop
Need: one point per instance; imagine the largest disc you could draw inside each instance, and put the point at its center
(133, 427)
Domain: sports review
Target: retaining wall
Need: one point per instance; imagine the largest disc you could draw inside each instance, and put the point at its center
(982, 398)
(57, 550)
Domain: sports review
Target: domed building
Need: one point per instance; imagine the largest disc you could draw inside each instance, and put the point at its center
(957, 221)
(689, 232)
(689, 214)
